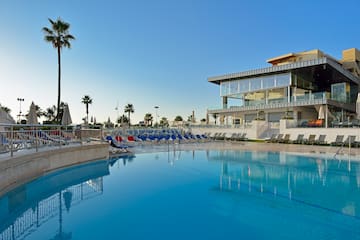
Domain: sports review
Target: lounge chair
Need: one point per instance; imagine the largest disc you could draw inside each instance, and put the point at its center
(350, 141)
(299, 139)
(232, 137)
(215, 136)
(242, 137)
(321, 140)
(236, 137)
(338, 141)
(114, 143)
(272, 138)
(279, 138)
(311, 139)
(221, 136)
(286, 139)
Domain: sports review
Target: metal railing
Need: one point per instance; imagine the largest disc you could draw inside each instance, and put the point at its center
(15, 137)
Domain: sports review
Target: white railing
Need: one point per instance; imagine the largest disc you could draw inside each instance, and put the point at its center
(15, 137)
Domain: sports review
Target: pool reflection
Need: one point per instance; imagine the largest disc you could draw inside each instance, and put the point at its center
(29, 206)
(320, 182)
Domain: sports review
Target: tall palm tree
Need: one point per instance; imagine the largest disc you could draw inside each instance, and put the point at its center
(87, 100)
(129, 108)
(58, 35)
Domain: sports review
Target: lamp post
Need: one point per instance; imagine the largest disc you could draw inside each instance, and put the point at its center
(20, 100)
(117, 111)
(156, 114)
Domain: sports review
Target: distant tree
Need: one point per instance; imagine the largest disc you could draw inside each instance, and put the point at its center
(58, 35)
(164, 122)
(148, 119)
(122, 119)
(108, 123)
(129, 108)
(87, 100)
(50, 113)
(39, 111)
(190, 118)
(178, 119)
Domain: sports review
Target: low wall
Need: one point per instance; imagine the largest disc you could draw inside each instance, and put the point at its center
(17, 170)
(287, 127)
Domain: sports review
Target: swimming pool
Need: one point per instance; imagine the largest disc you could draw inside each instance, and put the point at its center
(190, 195)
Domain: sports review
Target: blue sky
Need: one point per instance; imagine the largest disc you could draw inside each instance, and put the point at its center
(157, 53)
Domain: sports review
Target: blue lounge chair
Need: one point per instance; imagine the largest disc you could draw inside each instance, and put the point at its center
(115, 143)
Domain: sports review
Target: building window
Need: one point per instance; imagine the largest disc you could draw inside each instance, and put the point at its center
(340, 92)
(234, 87)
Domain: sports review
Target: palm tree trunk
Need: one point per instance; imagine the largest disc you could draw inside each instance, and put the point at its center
(59, 85)
(129, 118)
(87, 113)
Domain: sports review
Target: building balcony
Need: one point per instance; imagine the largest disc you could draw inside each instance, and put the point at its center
(319, 98)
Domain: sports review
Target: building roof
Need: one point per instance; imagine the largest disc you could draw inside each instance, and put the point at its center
(286, 68)
(285, 56)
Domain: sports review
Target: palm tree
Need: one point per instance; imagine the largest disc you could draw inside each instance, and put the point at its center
(122, 119)
(50, 113)
(39, 111)
(58, 35)
(148, 118)
(87, 100)
(129, 108)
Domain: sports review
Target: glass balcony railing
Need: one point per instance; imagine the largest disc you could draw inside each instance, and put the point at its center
(305, 99)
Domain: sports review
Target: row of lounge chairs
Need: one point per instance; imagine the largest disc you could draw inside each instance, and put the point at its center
(122, 141)
(312, 140)
(349, 141)
(232, 137)
(26, 139)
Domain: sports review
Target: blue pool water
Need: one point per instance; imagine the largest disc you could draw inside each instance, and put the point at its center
(190, 195)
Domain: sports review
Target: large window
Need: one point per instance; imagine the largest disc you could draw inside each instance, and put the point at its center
(234, 87)
(254, 98)
(278, 95)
